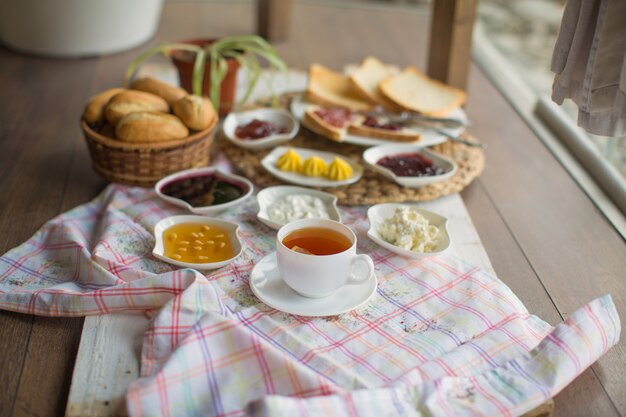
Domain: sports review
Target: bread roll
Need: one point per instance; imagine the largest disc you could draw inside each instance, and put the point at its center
(150, 127)
(166, 91)
(94, 110)
(329, 88)
(196, 112)
(130, 101)
(416, 92)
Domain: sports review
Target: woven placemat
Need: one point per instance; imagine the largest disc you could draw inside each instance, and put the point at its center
(372, 188)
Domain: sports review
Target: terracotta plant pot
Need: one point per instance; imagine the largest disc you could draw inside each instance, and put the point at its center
(184, 62)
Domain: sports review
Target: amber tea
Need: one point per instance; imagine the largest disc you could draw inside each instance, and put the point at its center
(317, 241)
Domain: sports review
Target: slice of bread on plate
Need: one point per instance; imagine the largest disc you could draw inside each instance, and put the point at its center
(383, 129)
(367, 78)
(331, 89)
(333, 126)
(414, 91)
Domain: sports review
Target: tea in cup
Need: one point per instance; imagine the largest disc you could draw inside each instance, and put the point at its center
(318, 256)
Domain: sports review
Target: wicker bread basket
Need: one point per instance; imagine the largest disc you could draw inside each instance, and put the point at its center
(143, 164)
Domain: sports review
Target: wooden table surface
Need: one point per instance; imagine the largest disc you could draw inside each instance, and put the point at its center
(544, 236)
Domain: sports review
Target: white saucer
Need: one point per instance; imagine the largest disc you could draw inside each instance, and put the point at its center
(268, 286)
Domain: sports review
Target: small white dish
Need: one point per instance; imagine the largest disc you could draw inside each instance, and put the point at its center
(299, 105)
(374, 154)
(378, 213)
(237, 180)
(269, 287)
(268, 196)
(279, 117)
(166, 223)
(269, 163)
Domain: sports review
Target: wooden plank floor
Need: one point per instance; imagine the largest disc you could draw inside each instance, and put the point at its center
(545, 238)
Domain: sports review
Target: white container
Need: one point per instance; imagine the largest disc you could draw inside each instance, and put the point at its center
(73, 28)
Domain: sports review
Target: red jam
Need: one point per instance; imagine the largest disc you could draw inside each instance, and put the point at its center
(410, 165)
(335, 116)
(258, 129)
(374, 123)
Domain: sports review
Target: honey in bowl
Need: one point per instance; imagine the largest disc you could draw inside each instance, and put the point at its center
(197, 243)
(317, 241)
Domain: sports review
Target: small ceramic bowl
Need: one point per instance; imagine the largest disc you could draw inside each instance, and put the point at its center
(279, 117)
(374, 154)
(268, 196)
(163, 225)
(237, 180)
(378, 213)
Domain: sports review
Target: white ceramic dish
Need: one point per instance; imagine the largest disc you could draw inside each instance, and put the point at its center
(269, 163)
(168, 222)
(378, 213)
(268, 196)
(269, 287)
(278, 117)
(242, 182)
(429, 137)
(372, 155)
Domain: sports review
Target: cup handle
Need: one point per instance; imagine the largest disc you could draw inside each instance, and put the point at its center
(353, 279)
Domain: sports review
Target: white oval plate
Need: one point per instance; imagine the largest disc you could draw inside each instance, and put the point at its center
(278, 117)
(269, 287)
(267, 196)
(429, 137)
(372, 155)
(378, 213)
(246, 185)
(161, 226)
(269, 163)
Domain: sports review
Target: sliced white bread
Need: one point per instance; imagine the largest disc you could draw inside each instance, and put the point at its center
(331, 89)
(403, 135)
(367, 78)
(414, 91)
(318, 125)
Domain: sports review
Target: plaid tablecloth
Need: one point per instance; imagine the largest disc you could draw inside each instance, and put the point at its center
(440, 337)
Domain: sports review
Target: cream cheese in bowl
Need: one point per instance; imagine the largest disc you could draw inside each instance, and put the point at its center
(297, 206)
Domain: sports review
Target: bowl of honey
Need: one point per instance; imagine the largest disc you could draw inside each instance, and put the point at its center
(196, 242)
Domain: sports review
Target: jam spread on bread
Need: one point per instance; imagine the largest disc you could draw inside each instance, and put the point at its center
(410, 165)
(258, 129)
(335, 116)
(376, 124)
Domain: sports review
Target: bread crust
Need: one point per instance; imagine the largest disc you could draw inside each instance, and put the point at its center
(150, 127)
(387, 90)
(331, 89)
(167, 92)
(390, 135)
(94, 110)
(131, 101)
(315, 123)
(196, 112)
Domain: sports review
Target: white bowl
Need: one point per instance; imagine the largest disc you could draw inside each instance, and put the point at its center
(378, 213)
(372, 155)
(278, 117)
(244, 183)
(269, 163)
(168, 222)
(266, 197)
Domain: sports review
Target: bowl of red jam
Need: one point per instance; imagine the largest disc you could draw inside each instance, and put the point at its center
(204, 191)
(260, 128)
(409, 165)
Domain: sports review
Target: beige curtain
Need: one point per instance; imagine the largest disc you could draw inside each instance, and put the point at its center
(589, 60)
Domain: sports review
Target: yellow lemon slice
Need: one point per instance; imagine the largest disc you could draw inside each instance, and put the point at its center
(289, 161)
(314, 166)
(339, 170)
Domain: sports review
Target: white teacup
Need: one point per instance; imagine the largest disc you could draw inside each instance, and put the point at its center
(317, 276)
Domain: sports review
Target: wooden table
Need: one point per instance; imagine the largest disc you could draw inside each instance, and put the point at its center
(544, 236)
